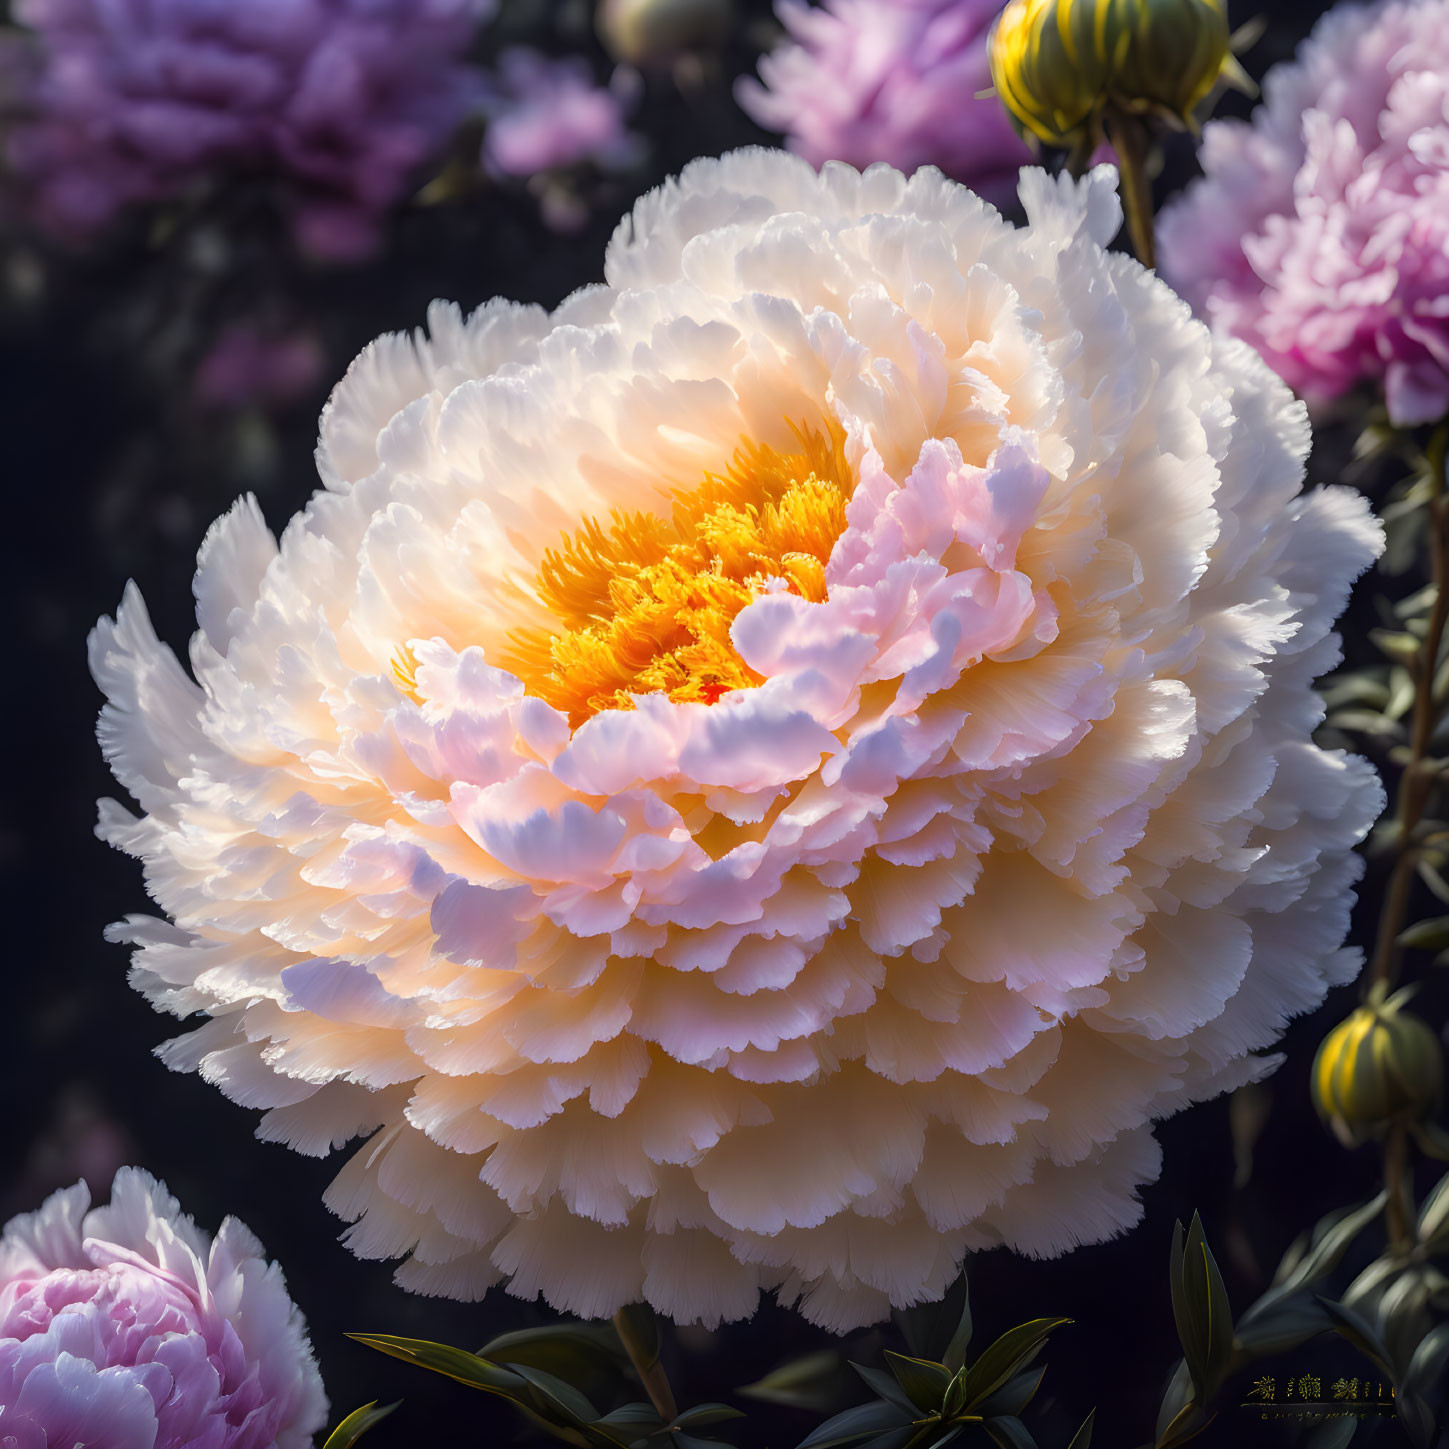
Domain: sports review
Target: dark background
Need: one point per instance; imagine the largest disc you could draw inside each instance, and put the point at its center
(112, 472)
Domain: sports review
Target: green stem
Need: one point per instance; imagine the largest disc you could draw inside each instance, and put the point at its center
(644, 1355)
(1399, 1213)
(1417, 781)
(1130, 140)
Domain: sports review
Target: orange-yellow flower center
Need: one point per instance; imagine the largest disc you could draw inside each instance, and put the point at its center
(644, 603)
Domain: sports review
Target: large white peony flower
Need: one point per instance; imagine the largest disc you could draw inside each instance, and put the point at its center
(774, 774)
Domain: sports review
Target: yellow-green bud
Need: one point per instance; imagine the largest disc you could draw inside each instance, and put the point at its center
(657, 32)
(1380, 1067)
(1060, 65)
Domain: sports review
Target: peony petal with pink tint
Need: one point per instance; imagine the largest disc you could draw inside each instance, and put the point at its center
(1320, 232)
(126, 1327)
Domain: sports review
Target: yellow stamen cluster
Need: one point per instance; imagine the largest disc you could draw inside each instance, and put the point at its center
(405, 673)
(644, 603)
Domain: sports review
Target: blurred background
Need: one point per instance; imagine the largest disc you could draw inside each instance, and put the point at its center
(161, 354)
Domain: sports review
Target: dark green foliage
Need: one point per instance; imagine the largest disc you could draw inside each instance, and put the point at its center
(926, 1403)
(356, 1424)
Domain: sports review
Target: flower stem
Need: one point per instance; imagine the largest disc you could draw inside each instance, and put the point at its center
(1400, 1210)
(1416, 783)
(1130, 140)
(636, 1330)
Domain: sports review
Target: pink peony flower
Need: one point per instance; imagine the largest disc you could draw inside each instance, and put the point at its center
(890, 80)
(1320, 233)
(126, 1327)
(546, 114)
(772, 775)
(343, 99)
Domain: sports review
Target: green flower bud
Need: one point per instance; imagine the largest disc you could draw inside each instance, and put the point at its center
(649, 33)
(1381, 1067)
(1060, 65)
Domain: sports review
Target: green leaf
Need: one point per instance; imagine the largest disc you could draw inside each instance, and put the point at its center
(1014, 1395)
(1429, 935)
(1433, 1229)
(955, 1355)
(1293, 1256)
(1356, 687)
(587, 1355)
(1176, 1397)
(1401, 694)
(954, 1432)
(1359, 1334)
(688, 1441)
(1332, 1237)
(1426, 1367)
(555, 1405)
(1370, 1283)
(556, 1399)
(1194, 1350)
(1404, 1314)
(1433, 1140)
(1363, 722)
(925, 1432)
(1421, 601)
(1009, 1433)
(1333, 1434)
(856, 1424)
(1284, 1324)
(456, 1363)
(1416, 1418)
(634, 1421)
(815, 1382)
(1396, 645)
(895, 1439)
(533, 1345)
(882, 1383)
(1201, 1309)
(1376, 437)
(1082, 1439)
(1433, 879)
(554, 1344)
(955, 1400)
(1187, 1425)
(1006, 1358)
(930, 1328)
(924, 1382)
(357, 1423)
(1400, 998)
(702, 1415)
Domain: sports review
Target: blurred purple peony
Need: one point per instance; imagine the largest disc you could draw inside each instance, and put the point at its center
(890, 80)
(125, 1327)
(1320, 233)
(133, 100)
(544, 114)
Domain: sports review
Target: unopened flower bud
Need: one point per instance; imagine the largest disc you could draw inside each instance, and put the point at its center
(1380, 1067)
(1060, 65)
(649, 33)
